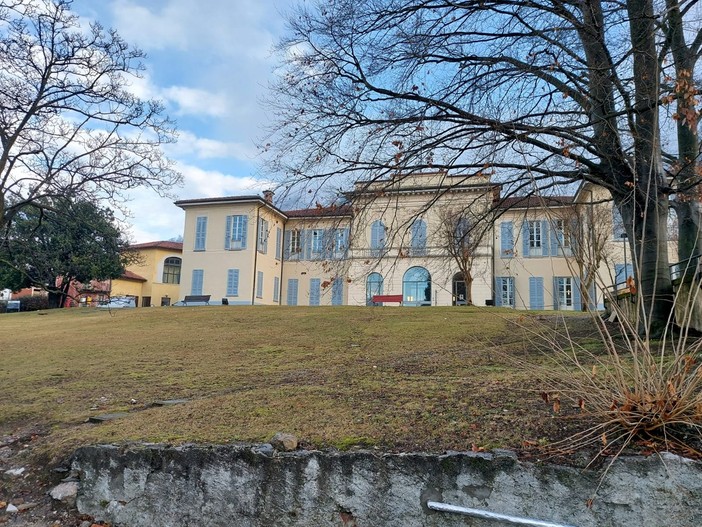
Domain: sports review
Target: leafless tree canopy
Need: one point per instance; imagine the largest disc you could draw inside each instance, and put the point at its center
(536, 93)
(69, 126)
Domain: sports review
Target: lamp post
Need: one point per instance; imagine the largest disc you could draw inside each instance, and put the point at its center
(623, 236)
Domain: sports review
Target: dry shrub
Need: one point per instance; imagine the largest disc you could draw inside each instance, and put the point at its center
(629, 389)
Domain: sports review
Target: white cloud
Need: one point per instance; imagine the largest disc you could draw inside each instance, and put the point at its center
(202, 148)
(195, 101)
(155, 218)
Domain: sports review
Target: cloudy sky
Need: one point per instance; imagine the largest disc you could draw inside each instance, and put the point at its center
(209, 61)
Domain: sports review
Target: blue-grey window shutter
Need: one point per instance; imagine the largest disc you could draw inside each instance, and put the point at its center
(315, 286)
(198, 279)
(259, 284)
(292, 292)
(555, 292)
(346, 240)
(286, 245)
(525, 239)
(498, 291)
(536, 292)
(265, 237)
(200, 233)
(306, 240)
(278, 241)
(555, 238)
(506, 240)
(544, 237)
(419, 236)
(337, 291)
(276, 289)
(228, 234)
(577, 297)
(232, 282)
(377, 235)
(244, 230)
(574, 237)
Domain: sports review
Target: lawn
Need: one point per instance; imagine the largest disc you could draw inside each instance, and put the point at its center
(429, 379)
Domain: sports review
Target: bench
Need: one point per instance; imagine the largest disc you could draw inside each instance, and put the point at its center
(13, 305)
(378, 299)
(196, 300)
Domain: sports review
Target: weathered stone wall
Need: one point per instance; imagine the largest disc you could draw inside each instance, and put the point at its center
(254, 486)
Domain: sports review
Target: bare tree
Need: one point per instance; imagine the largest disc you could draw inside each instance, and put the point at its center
(69, 126)
(462, 233)
(540, 94)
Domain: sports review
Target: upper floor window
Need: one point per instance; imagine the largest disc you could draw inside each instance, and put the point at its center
(317, 241)
(262, 236)
(418, 240)
(378, 236)
(171, 270)
(235, 237)
(562, 233)
(535, 240)
(295, 242)
(200, 233)
(340, 240)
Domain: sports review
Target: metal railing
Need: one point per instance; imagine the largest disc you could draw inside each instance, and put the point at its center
(487, 515)
(688, 267)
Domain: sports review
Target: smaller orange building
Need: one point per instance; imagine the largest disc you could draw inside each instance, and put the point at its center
(154, 280)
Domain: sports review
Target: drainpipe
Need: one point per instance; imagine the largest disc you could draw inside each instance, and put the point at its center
(282, 263)
(255, 274)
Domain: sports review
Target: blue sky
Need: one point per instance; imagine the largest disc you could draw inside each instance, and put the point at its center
(210, 62)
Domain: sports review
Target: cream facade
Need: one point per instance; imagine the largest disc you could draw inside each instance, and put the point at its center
(153, 280)
(389, 243)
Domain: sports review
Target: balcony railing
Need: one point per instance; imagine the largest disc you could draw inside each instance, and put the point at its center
(685, 270)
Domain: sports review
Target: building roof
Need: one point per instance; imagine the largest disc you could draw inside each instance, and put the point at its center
(172, 246)
(129, 275)
(319, 212)
(253, 198)
(534, 202)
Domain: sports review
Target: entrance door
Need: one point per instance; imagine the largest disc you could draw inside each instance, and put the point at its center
(459, 290)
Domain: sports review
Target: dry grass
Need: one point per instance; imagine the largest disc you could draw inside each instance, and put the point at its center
(396, 378)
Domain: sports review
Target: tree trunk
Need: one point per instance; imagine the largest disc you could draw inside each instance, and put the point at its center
(646, 226)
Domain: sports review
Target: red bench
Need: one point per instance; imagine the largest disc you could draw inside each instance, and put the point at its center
(377, 299)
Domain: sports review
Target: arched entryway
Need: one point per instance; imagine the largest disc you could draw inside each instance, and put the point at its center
(416, 287)
(374, 286)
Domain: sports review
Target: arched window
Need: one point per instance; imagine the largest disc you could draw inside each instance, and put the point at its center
(378, 236)
(374, 286)
(416, 287)
(171, 270)
(419, 237)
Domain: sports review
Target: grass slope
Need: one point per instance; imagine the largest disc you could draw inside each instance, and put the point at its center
(396, 378)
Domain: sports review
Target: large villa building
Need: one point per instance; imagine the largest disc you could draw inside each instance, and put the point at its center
(392, 239)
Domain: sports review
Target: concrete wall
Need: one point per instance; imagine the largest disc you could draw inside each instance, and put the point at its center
(255, 486)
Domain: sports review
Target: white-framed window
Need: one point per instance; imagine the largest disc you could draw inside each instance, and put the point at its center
(340, 241)
(535, 240)
(295, 241)
(235, 236)
(317, 241)
(504, 291)
(564, 294)
(562, 233)
(262, 236)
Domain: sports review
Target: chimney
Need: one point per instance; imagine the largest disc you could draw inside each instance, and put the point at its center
(268, 196)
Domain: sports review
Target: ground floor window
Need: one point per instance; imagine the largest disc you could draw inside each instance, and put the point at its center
(566, 293)
(416, 287)
(504, 291)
